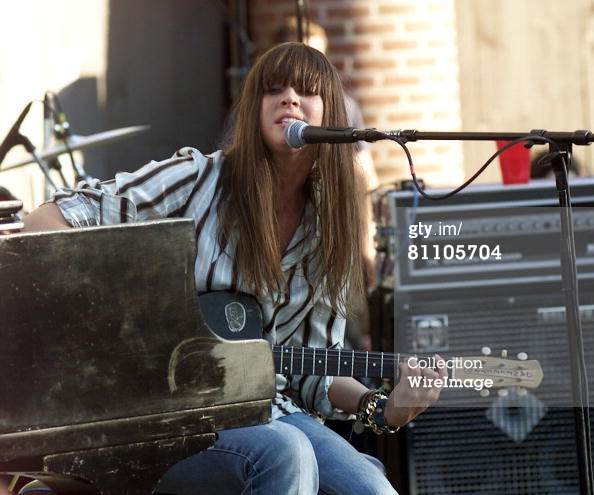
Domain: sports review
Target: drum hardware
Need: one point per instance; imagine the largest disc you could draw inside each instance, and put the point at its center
(58, 140)
(47, 158)
(9, 220)
(76, 142)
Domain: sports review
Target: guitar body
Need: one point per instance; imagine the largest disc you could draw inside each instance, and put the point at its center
(237, 316)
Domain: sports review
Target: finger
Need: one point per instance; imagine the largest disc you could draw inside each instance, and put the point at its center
(441, 368)
(410, 367)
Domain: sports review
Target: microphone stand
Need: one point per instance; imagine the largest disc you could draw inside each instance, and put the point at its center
(561, 144)
(575, 337)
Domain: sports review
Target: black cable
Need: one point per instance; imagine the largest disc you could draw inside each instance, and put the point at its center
(529, 139)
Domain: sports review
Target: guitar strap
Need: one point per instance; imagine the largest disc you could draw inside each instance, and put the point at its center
(232, 315)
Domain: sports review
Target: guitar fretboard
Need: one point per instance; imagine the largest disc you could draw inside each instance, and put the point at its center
(501, 372)
(334, 362)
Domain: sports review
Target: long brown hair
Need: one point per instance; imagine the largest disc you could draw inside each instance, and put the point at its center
(247, 206)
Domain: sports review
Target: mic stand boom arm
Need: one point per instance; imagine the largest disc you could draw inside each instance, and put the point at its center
(582, 137)
(561, 144)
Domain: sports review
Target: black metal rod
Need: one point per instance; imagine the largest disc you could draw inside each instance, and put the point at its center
(582, 137)
(574, 328)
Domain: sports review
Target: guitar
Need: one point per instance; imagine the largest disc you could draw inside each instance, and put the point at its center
(501, 372)
(234, 316)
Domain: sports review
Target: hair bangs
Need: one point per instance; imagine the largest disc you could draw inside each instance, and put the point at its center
(296, 65)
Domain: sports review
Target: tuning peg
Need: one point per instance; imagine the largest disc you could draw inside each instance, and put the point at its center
(484, 392)
(522, 356)
(521, 391)
(503, 392)
(486, 350)
(504, 353)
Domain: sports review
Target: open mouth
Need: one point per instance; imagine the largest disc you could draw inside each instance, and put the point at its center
(285, 121)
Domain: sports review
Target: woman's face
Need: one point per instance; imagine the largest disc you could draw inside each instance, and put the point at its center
(282, 105)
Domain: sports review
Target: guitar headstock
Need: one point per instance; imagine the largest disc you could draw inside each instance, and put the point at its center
(503, 372)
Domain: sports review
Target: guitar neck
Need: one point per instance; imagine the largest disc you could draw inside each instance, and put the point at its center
(464, 372)
(334, 362)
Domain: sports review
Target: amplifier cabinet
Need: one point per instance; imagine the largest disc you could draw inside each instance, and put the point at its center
(483, 236)
(516, 444)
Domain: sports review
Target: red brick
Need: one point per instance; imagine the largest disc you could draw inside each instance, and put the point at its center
(418, 26)
(378, 99)
(374, 63)
(347, 12)
(359, 82)
(376, 28)
(402, 81)
(396, 10)
(421, 62)
(400, 45)
(422, 98)
(405, 117)
(350, 48)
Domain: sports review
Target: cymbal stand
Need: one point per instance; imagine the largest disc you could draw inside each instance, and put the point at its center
(44, 168)
(47, 138)
(57, 128)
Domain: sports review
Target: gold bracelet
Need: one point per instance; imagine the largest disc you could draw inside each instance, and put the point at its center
(371, 414)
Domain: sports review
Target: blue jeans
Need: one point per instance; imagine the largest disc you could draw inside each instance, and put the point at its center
(294, 455)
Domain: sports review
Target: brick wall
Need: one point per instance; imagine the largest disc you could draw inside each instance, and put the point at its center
(398, 58)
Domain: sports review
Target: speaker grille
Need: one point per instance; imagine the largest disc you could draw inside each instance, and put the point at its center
(462, 452)
(530, 323)
(496, 445)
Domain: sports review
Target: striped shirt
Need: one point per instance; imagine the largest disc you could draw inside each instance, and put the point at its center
(186, 186)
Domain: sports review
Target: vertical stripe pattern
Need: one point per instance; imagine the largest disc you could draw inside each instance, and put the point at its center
(187, 185)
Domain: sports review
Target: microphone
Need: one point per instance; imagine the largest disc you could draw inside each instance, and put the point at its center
(14, 137)
(298, 134)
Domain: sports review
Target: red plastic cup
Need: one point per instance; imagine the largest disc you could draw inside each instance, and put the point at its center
(514, 163)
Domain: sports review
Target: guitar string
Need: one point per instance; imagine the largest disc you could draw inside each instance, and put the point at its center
(349, 354)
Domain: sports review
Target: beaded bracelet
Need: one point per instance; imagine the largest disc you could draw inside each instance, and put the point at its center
(371, 413)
